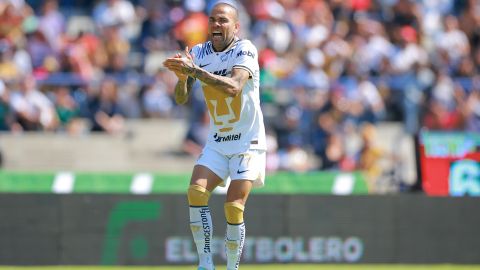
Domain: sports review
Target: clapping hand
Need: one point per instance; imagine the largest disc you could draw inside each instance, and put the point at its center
(180, 65)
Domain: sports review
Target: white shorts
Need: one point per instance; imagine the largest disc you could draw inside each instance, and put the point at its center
(242, 166)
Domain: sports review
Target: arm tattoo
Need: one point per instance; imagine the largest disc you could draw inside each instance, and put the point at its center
(190, 70)
(231, 86)
(182, 90)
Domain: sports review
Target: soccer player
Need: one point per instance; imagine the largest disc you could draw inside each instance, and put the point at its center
(227, 68)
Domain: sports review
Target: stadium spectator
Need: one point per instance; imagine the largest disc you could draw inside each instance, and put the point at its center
(370, 156)
(334, 154)
(374, 48)
(157, 99)
(8, 121)
(441, 117)
(39, 48)
(408, 51)
(294, 158)
(453, 40)
(9, 71)
(105, 112)
(22, 60)
(84, 55)
(155, 32)
(117, 49)
(325, 127)
(128, 99)
(68, 112)
(369, 97)
(273, 158)
(318, 24)
(11, 21)
(51, 23)
(337, 50)
(33, 108)
(119, 13)
(472, 111)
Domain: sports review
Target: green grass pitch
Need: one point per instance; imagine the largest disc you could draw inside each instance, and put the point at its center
(260, 267)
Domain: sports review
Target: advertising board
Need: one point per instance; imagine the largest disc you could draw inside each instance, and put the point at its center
(41, 229)
(450, 163)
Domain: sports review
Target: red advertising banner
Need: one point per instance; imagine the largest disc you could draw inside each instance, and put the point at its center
(450, 163)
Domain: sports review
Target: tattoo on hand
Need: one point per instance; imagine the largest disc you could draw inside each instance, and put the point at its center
(189, 70)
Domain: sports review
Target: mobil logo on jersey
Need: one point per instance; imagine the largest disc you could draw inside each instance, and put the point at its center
(224, 109)
(247, 53)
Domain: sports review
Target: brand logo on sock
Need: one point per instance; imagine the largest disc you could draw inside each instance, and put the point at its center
(242, 241)
(206, 229)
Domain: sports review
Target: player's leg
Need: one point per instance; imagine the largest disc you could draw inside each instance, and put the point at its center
(237, 195)
(202, 183)
(247, 170)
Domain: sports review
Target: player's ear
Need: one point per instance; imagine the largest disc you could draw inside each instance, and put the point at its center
(237, 28)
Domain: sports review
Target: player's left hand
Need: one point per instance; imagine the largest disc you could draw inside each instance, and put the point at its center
(181, 65)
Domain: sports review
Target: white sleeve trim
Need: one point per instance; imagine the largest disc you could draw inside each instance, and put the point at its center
(245, 68)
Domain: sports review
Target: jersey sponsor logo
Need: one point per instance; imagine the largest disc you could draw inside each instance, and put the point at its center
(247, 53)
(231, 137)
(201, 66)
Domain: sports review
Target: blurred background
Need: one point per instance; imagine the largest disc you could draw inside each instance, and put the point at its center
(359, 97)
(345, 85)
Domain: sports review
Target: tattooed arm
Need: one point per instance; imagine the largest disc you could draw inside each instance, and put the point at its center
(184, 67)
(230, 85)
(183, 89)
(185, 82)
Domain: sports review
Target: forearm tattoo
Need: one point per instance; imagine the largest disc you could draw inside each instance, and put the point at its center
(189, 70)
(182, 90)
(227, 84)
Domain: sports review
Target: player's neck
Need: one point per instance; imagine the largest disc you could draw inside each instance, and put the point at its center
(230, 44)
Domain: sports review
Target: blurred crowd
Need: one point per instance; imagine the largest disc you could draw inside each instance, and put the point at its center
(331, 70)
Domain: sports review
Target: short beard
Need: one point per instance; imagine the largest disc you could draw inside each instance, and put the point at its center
(227, 44)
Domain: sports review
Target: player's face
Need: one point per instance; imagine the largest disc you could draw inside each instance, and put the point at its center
(222, 26)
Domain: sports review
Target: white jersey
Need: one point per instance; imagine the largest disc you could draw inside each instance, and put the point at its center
(236, 123)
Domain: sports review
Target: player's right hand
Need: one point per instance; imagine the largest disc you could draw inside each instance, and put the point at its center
(167, 63)
(180, 64)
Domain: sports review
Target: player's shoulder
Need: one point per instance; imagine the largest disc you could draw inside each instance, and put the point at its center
(246, 48)
(201, 45)
(245, 43)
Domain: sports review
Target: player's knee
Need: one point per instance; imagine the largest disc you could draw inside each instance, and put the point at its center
(234, 212)
(198, 195)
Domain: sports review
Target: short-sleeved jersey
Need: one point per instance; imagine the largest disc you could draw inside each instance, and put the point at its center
(236, 123)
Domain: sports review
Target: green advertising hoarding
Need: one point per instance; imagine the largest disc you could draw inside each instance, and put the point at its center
(155, 183)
